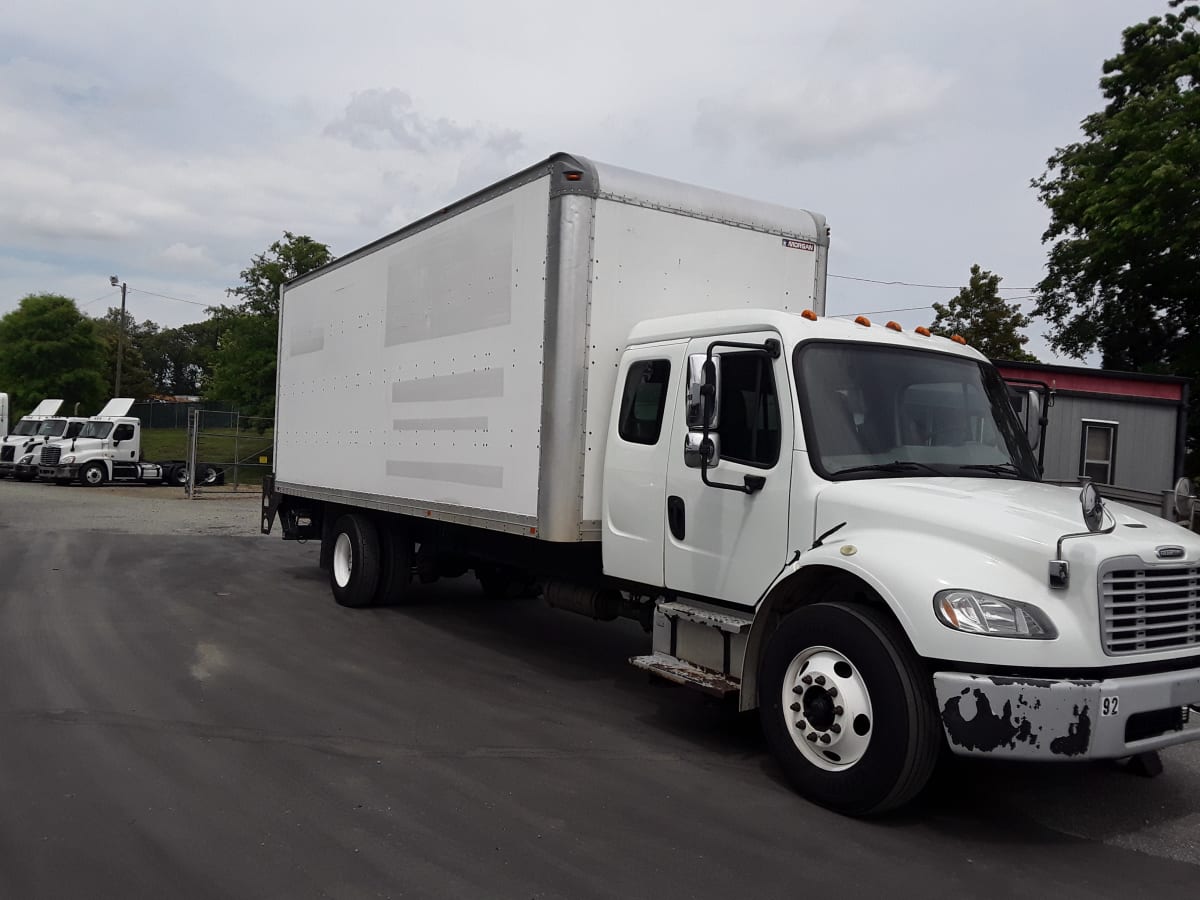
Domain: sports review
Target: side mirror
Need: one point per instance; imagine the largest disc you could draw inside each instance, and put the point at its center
(1033, 418)
(703, 381)
(699, 450)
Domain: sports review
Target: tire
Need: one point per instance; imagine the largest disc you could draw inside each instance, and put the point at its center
(869, 696)
(395, 565)
(177, 475)
(207, 474)
(93, 474)
(354, 574)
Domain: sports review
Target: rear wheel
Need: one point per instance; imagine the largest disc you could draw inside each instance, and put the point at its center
(354, 573)
(206, 474)
(395, 564)
(847, 709)
(93, 474)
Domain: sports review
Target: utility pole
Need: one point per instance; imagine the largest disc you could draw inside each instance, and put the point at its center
(115, 281)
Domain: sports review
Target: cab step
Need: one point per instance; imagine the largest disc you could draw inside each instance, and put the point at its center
(727, 622)
(682, 672)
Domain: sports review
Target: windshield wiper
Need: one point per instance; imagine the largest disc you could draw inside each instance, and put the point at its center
(896, 465)
(1005, 468)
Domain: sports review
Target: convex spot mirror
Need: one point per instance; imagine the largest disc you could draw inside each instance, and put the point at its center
(698, 450)
(1093, 507)
(702, 373)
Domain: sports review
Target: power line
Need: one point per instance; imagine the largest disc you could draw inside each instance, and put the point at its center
(943, 287)
(98, 299)
(176, 299)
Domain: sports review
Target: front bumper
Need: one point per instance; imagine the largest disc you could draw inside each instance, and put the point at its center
(58, 473)
(7, 468)
(1036, 718)
(27, 471)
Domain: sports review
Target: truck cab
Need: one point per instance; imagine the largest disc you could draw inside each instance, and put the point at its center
(855, 539)
(29, 434)
(50, 430)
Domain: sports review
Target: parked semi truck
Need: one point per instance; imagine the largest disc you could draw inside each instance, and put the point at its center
(624, 391)
(19, 450)
(108, 448)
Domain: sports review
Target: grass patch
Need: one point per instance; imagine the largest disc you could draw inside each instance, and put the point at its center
(218, 447)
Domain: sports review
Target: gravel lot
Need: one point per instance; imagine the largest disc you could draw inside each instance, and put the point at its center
(184, 712)
(131, 509)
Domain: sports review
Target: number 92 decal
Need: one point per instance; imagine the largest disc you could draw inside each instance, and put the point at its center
(1110, 706)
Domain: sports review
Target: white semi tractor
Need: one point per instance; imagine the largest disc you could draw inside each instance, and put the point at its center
(624, 391)
(20, 449)
(108, 449)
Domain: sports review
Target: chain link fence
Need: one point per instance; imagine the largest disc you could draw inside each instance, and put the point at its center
(227, 452)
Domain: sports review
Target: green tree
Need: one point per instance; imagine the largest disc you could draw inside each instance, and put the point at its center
(243, 365)
(48, 348)
(984, 319)
(1124, 202)
(180, 359)
(136, 380)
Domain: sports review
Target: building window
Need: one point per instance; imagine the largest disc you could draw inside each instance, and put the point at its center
(644, 400)
(1098, 451)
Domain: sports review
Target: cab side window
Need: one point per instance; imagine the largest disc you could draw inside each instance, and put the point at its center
(123, 433)
(73, 429)
(644, 400)
(749, 411)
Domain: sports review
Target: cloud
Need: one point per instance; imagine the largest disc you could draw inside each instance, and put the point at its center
(186, 256)
(821, 117)
(380, 117)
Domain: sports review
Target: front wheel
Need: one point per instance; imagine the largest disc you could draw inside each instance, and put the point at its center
(847, 709)
(93, 474)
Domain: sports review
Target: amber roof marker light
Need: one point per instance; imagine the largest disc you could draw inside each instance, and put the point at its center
(809, 314)
(895, 326)
(863, 320)
(923, 331)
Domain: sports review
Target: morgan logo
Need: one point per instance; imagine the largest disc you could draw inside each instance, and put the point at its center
(1170, 552)
(798, 245)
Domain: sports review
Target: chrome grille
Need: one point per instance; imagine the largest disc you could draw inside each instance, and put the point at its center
(50, 455)
(6, 453)
(1148, 608)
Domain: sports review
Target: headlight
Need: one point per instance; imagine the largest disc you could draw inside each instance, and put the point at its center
(67, 460)
(26, 460)
(978, 613)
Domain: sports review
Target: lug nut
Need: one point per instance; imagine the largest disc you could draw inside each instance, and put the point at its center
(832, 691)
(797, 690)
(807, 679)
(835, 728)
(812, 738)
(795, 707)
(801, 724)
(821, 679)
(825, 739)
(837, 710)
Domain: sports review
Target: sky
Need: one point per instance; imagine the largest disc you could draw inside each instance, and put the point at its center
(168, 144)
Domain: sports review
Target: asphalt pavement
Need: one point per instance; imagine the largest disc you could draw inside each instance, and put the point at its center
(188, 714)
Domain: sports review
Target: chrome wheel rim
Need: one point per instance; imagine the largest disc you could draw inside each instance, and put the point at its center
(343, 560)
(827, 708)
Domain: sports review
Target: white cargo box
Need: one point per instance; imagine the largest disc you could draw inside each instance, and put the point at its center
(463, 368)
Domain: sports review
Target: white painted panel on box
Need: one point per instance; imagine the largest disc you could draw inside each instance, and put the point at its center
(415, 371)
(650, 263)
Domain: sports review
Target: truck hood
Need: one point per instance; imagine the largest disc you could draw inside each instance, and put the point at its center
(81, 445)
(999, 518)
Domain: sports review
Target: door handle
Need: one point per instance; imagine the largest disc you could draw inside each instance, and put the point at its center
(675, 517)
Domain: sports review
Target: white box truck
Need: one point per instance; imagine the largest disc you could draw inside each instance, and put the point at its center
(622, 391)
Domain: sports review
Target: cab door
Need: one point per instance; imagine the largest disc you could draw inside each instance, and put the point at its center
(727, 540)
(649, 382)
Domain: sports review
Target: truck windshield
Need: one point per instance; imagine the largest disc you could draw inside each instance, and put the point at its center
(95, 429)
(25, 427)
(52, 427)
(888, 412)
